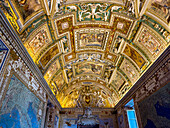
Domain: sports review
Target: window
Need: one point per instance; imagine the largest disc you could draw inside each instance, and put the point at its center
(132, 120)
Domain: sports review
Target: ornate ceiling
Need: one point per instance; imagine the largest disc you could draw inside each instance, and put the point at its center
(91, 52)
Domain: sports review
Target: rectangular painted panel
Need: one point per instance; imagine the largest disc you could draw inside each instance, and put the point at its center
(121, 121)
(20, 107)
(155, 109)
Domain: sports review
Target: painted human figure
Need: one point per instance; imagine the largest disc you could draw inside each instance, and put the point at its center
(130, 6)
(164, 6)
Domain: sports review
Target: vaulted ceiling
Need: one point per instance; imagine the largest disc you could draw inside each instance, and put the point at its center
(91, 53)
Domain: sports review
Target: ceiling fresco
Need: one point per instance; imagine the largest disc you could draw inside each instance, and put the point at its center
(91, 53)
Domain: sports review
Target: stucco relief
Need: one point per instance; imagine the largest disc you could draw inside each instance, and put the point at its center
(159, 79)
(19, 67)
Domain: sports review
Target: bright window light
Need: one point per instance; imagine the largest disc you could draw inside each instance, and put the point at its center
(131, 114)
(132, 119)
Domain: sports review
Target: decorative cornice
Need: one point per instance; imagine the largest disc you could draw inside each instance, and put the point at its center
(147, 76)
(19, 48)
(93, 109)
